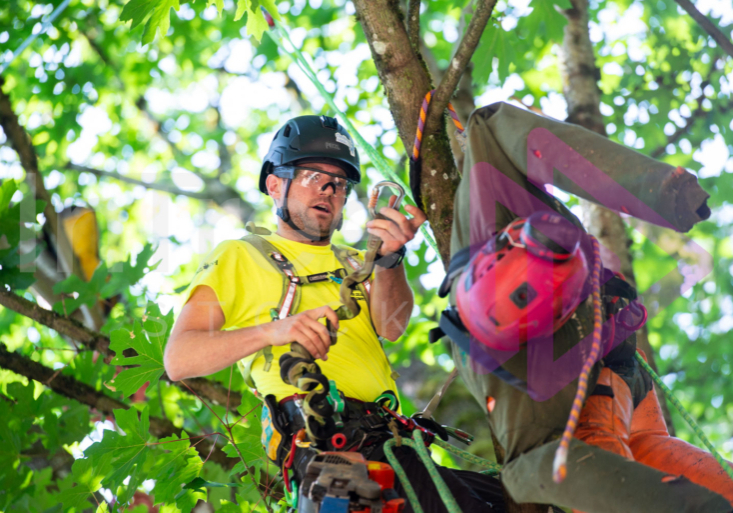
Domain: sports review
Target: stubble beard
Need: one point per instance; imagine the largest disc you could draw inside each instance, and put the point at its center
(313, 226)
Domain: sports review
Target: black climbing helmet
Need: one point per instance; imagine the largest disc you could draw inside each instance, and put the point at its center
(312, 139)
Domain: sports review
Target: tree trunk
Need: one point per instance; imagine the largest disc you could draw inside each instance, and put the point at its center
(580, 76)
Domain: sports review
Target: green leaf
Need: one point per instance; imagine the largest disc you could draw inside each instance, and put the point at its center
(88, 475)
(148, 340)
(7, 189)
(256, 22)
(137, 11)
(159, 20)
(177, 465)
(123, 275)
(242, 7)
(156, 12)
(127, 452)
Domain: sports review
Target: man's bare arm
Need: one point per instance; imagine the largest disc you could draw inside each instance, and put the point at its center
(391, 302)
(198, 347)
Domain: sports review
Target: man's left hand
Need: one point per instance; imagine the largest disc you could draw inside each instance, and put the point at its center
(396, 230)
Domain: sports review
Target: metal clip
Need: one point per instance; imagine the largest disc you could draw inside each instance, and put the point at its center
(375, 196)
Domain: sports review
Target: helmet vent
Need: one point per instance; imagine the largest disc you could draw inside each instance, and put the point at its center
(286, 133)
(329, 122)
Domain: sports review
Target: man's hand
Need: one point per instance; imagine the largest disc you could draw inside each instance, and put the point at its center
(397, 230)
(305, 329)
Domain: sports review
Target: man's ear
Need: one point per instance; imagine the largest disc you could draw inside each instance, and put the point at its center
(274, 187)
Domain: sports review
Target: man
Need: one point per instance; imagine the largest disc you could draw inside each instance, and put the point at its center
(622, 458)
(239, 311)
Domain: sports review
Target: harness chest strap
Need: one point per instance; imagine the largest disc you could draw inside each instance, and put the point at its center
(290, 296)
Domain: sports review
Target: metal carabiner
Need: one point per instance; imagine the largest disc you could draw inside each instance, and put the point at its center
(375, 196)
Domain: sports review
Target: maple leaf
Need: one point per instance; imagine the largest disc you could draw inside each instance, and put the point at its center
(156, 12)
(148, 340)
(88, 475)
(176, 464)
(256, 22)
(128, 451)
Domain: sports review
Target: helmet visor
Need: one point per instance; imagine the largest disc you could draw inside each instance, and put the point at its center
(316, 179)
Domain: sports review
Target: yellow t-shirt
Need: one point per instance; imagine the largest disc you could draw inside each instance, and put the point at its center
(247, 286)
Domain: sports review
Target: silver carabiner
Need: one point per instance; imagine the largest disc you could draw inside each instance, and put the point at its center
(375, 196)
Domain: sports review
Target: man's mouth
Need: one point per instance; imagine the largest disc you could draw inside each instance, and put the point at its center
(321, 207)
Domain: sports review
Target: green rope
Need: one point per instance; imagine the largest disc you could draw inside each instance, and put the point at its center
(378, 160)
(418, 445)
(493, 468)
(690, 421)
(401, 474)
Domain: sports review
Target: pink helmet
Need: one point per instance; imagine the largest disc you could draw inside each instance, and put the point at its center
(525, 282)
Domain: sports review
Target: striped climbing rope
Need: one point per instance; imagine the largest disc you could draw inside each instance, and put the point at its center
(560, 464)
(423, 117)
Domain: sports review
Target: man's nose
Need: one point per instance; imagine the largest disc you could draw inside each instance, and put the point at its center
(326, 186)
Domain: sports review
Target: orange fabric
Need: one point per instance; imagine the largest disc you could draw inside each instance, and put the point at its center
(606, 421)
(641, 434)
(651, 444)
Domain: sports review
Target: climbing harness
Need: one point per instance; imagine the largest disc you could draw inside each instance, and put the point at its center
(292, 283)
(297, 366)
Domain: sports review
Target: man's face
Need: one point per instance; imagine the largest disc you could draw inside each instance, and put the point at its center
(316, 210)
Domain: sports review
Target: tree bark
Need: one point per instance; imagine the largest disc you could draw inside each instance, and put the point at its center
(83, 393)
(406, 80)
(580, 76)
(95, 341)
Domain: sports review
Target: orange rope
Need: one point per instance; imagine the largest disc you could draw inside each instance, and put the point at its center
(423, 117)
(559, 467)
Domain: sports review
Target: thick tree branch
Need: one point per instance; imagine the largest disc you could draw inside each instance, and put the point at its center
(458, 63)
(406, 81)
(83, 393)
(95, 341)
(582, 94)
(413, 23)
(707, 25)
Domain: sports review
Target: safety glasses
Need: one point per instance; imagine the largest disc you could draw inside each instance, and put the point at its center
(316, 179)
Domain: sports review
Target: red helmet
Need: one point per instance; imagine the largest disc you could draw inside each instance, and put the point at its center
(525, 282)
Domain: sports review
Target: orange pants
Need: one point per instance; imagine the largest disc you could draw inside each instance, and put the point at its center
(640, 434)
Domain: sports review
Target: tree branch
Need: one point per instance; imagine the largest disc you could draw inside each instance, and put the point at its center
(406, 80)
(458, 63)
(707, 25)
(215, 191)
(83, 393)
(172, 189)
(413, 24)
(95, 341)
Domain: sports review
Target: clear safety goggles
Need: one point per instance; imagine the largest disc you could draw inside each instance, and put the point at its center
(316, 179)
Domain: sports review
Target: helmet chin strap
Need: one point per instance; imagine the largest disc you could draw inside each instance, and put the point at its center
(284, 214)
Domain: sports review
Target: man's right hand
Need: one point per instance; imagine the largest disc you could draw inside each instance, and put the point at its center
(305, 329)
